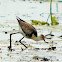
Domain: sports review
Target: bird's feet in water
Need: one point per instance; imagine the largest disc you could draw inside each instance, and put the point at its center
(46, 42)
(9, 48)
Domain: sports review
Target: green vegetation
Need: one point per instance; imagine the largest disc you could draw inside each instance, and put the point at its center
(51, 11)
(35, 22)
(55, 21)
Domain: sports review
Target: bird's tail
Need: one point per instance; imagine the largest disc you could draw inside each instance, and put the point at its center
(19, 18)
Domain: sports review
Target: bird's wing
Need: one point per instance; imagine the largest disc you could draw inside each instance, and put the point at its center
(28, 29)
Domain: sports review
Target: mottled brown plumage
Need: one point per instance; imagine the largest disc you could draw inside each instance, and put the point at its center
(27, 28)
(29, 31)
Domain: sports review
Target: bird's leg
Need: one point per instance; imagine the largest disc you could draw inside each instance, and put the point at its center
(10, 47)
(10, 42)
(45, 41)
(22, 43)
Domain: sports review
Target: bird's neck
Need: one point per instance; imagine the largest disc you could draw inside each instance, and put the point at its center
(38, 38)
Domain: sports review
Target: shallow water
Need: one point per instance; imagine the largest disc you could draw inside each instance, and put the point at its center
(17, 55)
(9, 24)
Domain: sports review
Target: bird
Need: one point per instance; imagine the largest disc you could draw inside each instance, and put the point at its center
(29, 31)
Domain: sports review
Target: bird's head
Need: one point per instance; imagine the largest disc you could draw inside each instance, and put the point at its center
(43, 37)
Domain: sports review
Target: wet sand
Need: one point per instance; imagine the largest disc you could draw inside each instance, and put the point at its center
(36, 50)
(39, 48)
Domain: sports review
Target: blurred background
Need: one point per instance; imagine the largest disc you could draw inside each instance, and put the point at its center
(30, 10)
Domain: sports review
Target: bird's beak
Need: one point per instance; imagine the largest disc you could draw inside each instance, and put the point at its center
(18, 19)
(44, 40)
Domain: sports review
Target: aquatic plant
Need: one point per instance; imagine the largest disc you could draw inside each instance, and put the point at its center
(51, 11)
(35, 22)
(55, 21)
